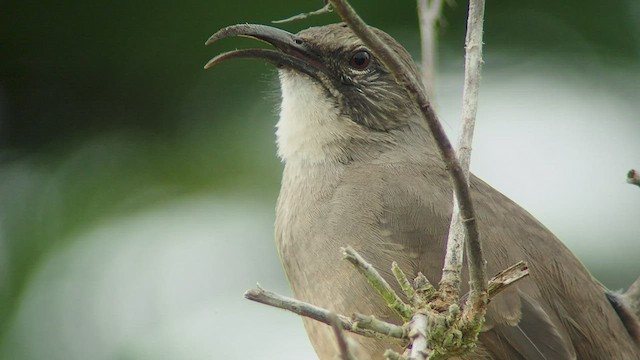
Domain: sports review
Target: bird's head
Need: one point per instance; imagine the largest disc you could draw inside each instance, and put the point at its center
(336, 96)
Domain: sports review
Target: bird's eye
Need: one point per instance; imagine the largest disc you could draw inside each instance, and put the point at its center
(360, 60)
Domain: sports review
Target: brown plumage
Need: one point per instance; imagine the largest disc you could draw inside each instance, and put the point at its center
(362, 170)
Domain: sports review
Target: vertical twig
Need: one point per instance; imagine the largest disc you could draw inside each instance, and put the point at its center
(429, 14)
(450, 283)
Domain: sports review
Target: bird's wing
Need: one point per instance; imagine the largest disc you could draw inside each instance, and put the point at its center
(413, 220)
(403, 215)
(413, 227)
(520, 321)
(534, 336)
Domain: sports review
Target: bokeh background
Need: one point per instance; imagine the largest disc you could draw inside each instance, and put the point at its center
(137, 190)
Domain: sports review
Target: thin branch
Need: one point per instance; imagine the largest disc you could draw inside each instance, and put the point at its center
(308, 310)
(372, 323)
(418, 336)
(633, 177)
(414, 89)
(403, 281)
(450, 282)
(341, 339)
(378, 282)
(507, 277)
(429, 12)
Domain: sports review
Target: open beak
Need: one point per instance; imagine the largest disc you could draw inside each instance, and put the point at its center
(291, 52)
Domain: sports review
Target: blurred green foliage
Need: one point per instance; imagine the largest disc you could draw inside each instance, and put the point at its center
(105, 108)
(73, 69)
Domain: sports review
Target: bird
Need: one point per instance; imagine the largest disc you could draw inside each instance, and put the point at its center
(361, 169)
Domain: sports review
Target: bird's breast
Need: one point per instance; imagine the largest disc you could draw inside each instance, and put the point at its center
(388, 212)
(378, 209)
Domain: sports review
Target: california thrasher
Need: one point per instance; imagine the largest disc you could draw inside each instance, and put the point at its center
(361, 169)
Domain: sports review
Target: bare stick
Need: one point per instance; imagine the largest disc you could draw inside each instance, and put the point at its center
(450, 282)
(403, 281)
(378, 282)
(418, 335)
(372, 323)
(507, 277)
(307, 310)
(343, 345)
(414, 89)
(429, 13)
(633, 177)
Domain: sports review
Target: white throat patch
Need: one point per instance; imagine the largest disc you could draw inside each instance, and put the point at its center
(310, 128)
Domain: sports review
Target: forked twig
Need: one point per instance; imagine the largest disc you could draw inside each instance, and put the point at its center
(370, 326)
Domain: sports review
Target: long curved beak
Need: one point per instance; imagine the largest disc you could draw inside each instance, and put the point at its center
(292, 52)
